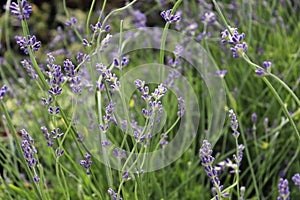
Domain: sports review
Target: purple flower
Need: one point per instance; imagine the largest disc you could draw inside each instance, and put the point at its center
(178, 51)
(72, 21)
(105, 143)
(56, 90)
(140, 19)
(168, 17)
(86, 163)
(125, 175)
(26, 43)
(22, 10)
(97, 27)
(86, 43)
(296, 180)
(59, 152)
(221, 73)
(232, 36)
(28, 148)
(205, 154)
(51, 136)
(30, 70)
(283, 190)
(207, 161)
(164, 140)
(47, 136)
(108, 117)
(69, 68)
(234, 124)
(181, 107)
(123, 63)
(109, 77)
(3, 91)
(159, 92)
(254, 118)
(36, 178)
(208, 18)
(238, 158)
(260, 72)
(113, 194)
(267, 64)
(239, 50)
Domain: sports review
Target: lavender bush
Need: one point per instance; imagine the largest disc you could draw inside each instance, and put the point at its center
(126, 99)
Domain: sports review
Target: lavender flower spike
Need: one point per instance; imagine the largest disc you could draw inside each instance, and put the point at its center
(26, 43)
(181, 107)
(283, 190)
(22, 10)
(86, 163)
(296, 180)
(206, 161)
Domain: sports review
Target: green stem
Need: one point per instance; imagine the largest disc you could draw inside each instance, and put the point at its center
(87, 27)
(237, 170)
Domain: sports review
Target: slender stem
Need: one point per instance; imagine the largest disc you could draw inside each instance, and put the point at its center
(237, 170)
(87, 27)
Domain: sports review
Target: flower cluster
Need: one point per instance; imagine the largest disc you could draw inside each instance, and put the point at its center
(28, 43)
(71, 22)
(296, 180)
(283, 189)
(239, 50)
(108, 117)
(51, 136)
(98, 27)
(86, 163)
(74, 80)
(29, 69)
(168, 17)
(266, 68)
(239, 156)
(21, 10)
(181, 107)
(208, 18)
(233, 37)
(207, 162)
(109, 77)
(3, 91)
(123, 62)
(29, 150)
(163, 142)
(153, 100)
(119, 153)
(234, 124)
(113, 194)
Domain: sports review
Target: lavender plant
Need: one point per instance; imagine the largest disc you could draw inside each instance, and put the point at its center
(71, 120)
